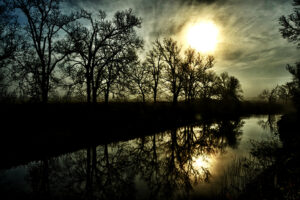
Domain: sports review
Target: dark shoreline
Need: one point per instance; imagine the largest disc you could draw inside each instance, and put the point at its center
(35, 131)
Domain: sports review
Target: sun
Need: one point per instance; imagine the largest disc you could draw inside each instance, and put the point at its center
(203, 36)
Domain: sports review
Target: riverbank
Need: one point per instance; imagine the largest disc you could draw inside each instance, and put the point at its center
(34, 131)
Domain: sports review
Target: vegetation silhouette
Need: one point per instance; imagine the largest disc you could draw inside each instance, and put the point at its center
(82, 55)
(154, 63)
(102, 51)
(280, 177)
(73, 83)
(35, 67)
(290, 31)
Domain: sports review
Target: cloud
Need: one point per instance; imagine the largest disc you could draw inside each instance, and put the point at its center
(251, 46)
(164, 16)
(143, 2)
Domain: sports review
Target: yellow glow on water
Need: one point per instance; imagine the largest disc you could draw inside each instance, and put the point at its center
(202, 162)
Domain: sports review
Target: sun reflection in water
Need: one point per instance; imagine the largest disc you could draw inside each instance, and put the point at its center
(202, 162)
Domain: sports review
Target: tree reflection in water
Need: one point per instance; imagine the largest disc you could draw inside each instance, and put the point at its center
(270, 123)
(161, 166)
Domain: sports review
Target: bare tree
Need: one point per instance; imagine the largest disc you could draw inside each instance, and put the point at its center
(140, 80)
(170, 52)
(155, 65)
(102, 48)
(190, 66)
(195, 69)
(44, 22)
(117, 73)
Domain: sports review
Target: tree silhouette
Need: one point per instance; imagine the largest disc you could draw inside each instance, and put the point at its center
(140, 80)
(290, 25)
(190, 66)
(102, 49)
(195, 74)
(155, 65)
(170, 52)
(9, 37)
(44, 22)
(116, 77)
(229, 88)
(208, 84)
(10, 41)
(295, 90)
(290, 29)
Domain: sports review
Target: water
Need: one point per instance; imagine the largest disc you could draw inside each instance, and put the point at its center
(183, 163)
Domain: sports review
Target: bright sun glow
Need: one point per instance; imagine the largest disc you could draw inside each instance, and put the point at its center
(201, 162)
(203, 36)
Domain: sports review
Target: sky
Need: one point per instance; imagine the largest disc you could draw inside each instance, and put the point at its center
(250, 46)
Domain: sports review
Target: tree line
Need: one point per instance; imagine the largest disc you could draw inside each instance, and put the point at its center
(290, 30)
(46, 52)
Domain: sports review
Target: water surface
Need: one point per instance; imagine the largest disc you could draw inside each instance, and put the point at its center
(186, 162)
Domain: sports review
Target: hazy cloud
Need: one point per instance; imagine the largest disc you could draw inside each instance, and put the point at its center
(250, 47)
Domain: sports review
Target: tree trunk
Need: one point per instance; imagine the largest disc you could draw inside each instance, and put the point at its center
(106, 95)
(44, 89)
(88, 90)
(43, 84)
(94, 95)
(106, 156)
(45, 179)
(175, 98)
(173, 148)
(144, 100)
(94, 162)
(155, 91)
(154, 148)
(88, 170)
(44, 96)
